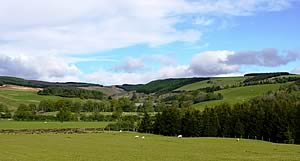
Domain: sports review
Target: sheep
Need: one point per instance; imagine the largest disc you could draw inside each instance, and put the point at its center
(179, 136)
(120, 130)
(136, 136)
(238, 139)
(143, 137)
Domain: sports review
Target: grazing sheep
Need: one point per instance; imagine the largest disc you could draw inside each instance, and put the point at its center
(45, 122)
(179, 136)
(136, 136)
(238, 139)
(120, 130)
(143, 137)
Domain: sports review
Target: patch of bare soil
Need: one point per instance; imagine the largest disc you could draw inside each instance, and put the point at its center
(20, 88)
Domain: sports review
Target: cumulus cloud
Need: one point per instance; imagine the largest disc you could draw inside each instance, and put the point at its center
(130, 65)
(266, 57)
(93, 25)
(212, 63)
(38, 68)
(38, 37)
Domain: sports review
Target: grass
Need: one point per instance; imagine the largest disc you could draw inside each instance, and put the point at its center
(113, 146)
(13, 98)
(221, 81)
(49, 125)
(239, 95)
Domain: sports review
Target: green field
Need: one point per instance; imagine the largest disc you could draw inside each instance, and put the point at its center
(13, 98)
(114, 146)
(221, 81)
(239, 94)
(49, 125)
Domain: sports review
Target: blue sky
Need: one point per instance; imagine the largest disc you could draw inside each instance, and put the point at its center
(133, 41)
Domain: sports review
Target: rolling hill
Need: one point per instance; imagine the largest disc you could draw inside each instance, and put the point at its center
(161, 86)
(217, 81)
(233, 90)
(240, 94)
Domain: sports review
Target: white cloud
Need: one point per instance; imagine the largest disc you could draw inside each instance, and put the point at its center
(37, 36)
(130, 65)
(203, 21)
(212, 63)
(111, 78)
(49, 68)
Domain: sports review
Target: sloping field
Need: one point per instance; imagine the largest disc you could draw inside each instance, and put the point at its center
(13, 98)
(109, 91)
(115, 146)
(222, 81)
(240, 94)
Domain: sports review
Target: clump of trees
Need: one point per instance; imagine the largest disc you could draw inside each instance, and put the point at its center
(188, 98)
(74, 106)
(72, 92)
(4, 112)
(273, 117)
(29, 113)
(127, 123)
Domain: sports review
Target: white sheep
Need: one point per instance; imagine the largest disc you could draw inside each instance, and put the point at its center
(136, 136)
(120, 130)
(179, 136)
(143, 137)
(238, 139)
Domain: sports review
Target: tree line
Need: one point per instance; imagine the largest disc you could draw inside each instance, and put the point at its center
(274, 117)
(72, 92)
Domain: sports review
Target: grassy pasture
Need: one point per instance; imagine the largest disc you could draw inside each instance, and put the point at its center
(239, 95)
(221, 81)
(13, 98)
(113, 146)
(49, 125)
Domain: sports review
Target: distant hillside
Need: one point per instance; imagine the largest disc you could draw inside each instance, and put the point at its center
(161, 86)
(167, 85)
(269, 74)
(130, 87)
(41, 84)
(263, 76)
(214, 81)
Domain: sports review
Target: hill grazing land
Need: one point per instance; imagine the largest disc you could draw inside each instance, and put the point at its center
(78, 128)
(14, 97)
(112, 146)
(239, 94)
(222, 81)
(41, 84)
(162, 86)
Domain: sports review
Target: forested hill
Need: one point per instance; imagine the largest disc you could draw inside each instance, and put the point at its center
(41, 84)
(161, 86)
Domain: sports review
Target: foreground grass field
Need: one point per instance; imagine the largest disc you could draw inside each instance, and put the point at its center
(124, 147)
(49, 125)
(240, 94)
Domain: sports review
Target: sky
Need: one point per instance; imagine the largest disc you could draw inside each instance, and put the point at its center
(113, 42)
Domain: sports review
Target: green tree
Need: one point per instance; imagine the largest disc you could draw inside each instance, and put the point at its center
(146, 124)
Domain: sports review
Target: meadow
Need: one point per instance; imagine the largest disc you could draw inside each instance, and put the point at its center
(13, 98)
(4, 124)
(115, 146)
(221, 81)
(239, 94)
